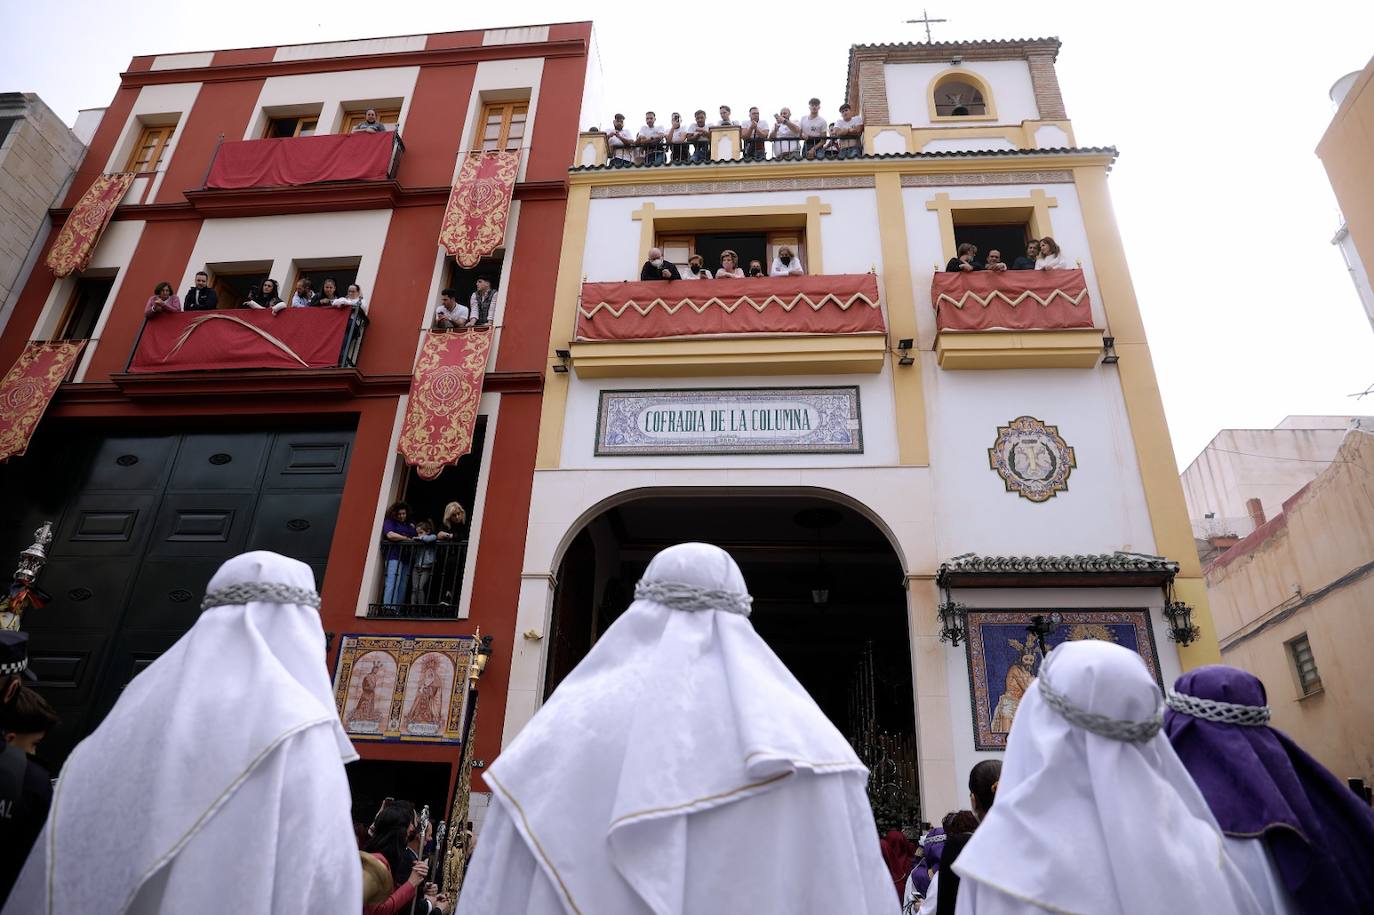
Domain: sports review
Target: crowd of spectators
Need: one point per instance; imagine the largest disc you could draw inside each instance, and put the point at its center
(657, 267)
(264, 296)
(1041, 254)
(810, 136)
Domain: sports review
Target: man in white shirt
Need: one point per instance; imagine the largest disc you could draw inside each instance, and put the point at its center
(650, 140)
(813, 130)
(849, 133)
(725, 118)
(677, 138)
(621, 143)
(699, 134)
(755, 135)
(784, 134)
(786, 263)
(450, 314)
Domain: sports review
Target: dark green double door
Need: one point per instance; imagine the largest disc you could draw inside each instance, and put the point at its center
(140, 523)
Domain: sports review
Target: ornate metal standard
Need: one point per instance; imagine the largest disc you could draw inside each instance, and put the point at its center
(23, 593)
(459, 851)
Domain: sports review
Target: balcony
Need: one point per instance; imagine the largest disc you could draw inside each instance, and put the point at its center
(1014, 319)
(766, 326)
(322, 173)
(421, 581)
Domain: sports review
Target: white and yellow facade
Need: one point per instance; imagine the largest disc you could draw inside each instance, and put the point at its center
(930, 409)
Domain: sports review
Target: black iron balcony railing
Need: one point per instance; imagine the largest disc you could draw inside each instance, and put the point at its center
(421, 580)
(794, 148)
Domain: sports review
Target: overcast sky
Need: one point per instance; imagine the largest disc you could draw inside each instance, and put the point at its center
(1224, 206)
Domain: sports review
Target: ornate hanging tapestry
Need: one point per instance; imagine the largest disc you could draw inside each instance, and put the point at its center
(1004, 657)
(444, 394)
(79, 235)
(403, 688)
(475, 220)
(1032, 459)
(27, 389)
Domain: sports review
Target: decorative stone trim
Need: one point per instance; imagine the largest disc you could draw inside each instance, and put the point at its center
(1059, 176)
(1099, 562)
(669, 189)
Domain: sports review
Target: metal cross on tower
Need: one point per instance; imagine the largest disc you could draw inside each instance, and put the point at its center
(926, 21)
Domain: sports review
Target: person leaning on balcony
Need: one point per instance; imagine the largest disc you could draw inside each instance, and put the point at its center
(450, 313)
(785, 263)
(755, 135)
(329, 291)
(621, 143)
(650, 139)
(304, 294)
(699, 134)
(369, 123)
(1050, 256)
(481, 302)
(1027, 261)
(813, 130)
(656, 268)
(397, 530)
(696, 269)
(162, 299)
(756, 268)
(725, 119)
(729, 266)
(784, 135)
(677, 139)
(423, 570)
(265, 296)
(994, 262)
(454, 520)
(200, 297)
(354, 299)
(849, 133)
(964, 260)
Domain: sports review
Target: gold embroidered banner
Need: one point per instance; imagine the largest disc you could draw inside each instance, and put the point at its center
(81, 232)
(444, 393)
(27, 389)
(475, 220)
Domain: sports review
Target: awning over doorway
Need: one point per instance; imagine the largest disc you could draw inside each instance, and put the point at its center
(1117, 569)
(27, 389)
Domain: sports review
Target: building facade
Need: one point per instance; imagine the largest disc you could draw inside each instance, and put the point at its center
(1344, 150)
(38, 155)
(153, 471)
(926, 476)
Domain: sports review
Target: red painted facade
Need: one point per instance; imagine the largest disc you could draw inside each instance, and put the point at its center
(433, 134)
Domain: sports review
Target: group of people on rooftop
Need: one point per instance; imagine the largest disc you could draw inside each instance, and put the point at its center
(810, 136)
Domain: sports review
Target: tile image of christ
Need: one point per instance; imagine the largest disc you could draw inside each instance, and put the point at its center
(427, 691)
(369, 693)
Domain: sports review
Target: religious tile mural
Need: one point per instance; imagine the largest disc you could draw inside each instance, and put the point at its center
(1003, 658)
(411, 689)
(1032, 459)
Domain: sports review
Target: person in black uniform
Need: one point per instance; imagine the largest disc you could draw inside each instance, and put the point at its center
(25, 786)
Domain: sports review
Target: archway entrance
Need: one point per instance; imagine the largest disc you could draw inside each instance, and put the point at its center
(829, 599)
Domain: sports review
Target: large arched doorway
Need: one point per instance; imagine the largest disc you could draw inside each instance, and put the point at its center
(829, 598)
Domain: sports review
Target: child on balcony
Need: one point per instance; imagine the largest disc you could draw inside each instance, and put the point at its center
(423, 569)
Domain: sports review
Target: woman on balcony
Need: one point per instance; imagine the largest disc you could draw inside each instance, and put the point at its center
(329, 292)
(396, 530)
(1050, 257)
(729, 266)
(162, 299)
(265, 296)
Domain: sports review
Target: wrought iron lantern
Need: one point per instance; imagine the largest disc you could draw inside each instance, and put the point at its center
(953, 622)
(1181, 626)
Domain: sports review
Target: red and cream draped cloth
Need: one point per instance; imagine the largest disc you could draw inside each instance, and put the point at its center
(79, 235)
(298, 338)
(444, 394)
(27, 389)
(475, 220)
(1011, 300)
(835, 304)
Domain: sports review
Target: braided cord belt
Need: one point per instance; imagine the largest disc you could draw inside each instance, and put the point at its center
(1101, 725)
(1218, 711)
(266, 592)
(678, 596)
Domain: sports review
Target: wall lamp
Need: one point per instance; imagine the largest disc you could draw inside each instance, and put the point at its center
(904, 346)
(1181, 627)
(953, 622)
(1109, 356)
(564, 360)
(1041, 625)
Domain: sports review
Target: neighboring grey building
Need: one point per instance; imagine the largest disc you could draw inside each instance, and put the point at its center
(38, 156)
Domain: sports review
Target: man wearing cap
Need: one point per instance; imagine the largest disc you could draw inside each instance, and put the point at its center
(25, 786)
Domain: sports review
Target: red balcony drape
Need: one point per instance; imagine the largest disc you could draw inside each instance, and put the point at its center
(244, 338)
(444, 394)
(1011, 300)
(75, 243)
(288, 161)
(27, 389)
(836, 304)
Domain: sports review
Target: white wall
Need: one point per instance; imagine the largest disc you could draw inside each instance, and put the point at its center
(326, 50)
(334, 93)
(502, 80)
(927, 255)
(155, 105)
(964, 144)
(182, 61)
(909, 85)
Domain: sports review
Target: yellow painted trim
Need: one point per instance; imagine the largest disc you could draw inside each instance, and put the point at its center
(872, 131)
(913, 446)
(599, 145)
(1021, 136)
(967, 76)
(653, 222)
(1079, 348)
(1145, 410)
(718, 138)
(973, 211)
(774, 169)
(708, 356)
(567, 291)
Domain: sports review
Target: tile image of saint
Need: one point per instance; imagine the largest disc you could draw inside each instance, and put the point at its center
(426, 691)
(1019, 677)
(369, 693)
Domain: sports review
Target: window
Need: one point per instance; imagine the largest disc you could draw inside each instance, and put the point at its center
(344, 273)
(960, 93)
(83, 308)
(503, 125)
(389, 117)
(1007, 239)
(464, 280)
(152, 143)
(303, 126)
(1304, 665)
(760, 246)
(5, 125)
